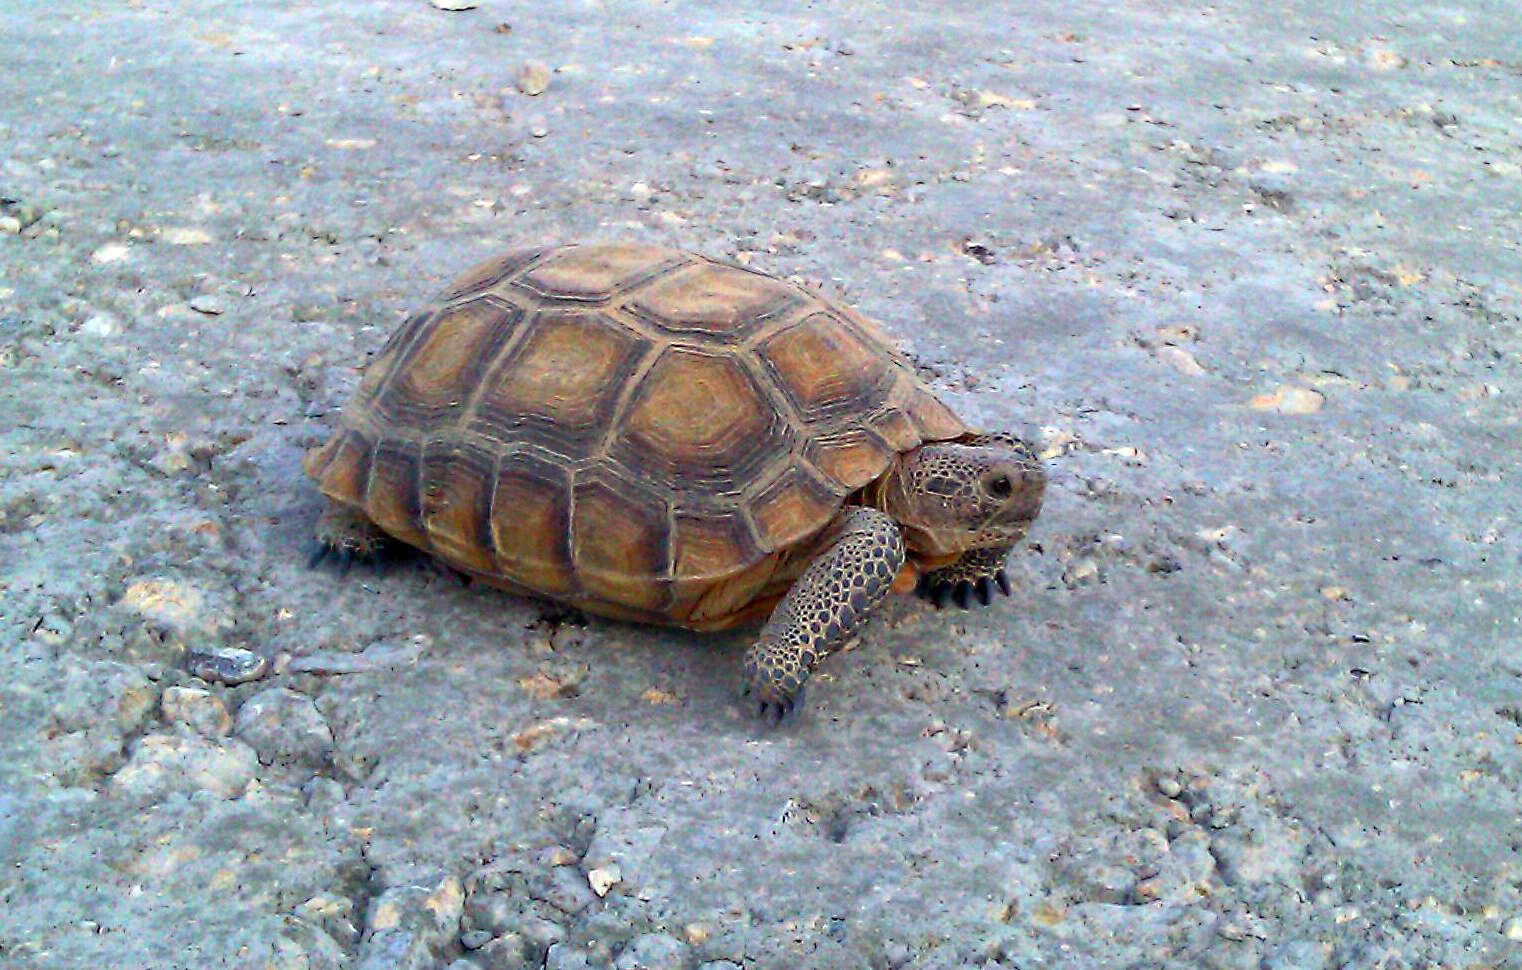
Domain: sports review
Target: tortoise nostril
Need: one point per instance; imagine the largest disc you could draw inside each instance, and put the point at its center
(1000, 486)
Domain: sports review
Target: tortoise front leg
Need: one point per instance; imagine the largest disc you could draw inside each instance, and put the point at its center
(825, 606)
(975, 573)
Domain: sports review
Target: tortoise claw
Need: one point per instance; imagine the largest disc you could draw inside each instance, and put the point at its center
(342, 557)
(985, 590)
(772, 710)
(942, 593)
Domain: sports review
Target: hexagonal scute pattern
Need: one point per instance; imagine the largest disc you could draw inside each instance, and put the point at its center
(595, 273)
(712, 300)
(560, 383)
(491, 273)
(698, 421)
(825, 368)
(444, 364)
(629, 428)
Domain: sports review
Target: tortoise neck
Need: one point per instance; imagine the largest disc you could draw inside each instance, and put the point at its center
(877, 494)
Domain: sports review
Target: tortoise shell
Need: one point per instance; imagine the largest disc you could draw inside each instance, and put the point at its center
(640, 432)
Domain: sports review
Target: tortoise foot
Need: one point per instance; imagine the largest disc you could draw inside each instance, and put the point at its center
(343, 537)
(771, 706)
(775, 672)
(973, 577)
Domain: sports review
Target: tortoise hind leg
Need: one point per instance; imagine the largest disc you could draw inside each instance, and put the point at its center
(344, 534)
(826, 605)
(977, 573)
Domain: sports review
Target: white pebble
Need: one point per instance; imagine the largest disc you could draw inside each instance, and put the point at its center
(101, 325)
(110, 253)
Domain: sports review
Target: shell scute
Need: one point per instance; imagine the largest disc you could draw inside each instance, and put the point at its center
(445, 363)
(712, 300)
(491, 273)
(531, 522)
(391, 501)
(594, 273)
(698, 422)
(824, 368)
(559, 385)
(454, 503)
(620, 542)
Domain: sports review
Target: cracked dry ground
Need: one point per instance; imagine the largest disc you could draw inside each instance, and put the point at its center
(1250, 269)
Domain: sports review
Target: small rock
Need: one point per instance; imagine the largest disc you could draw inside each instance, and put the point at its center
(334, 913)
(110, 253)
(185, 236)
(475, 939)
(303, 946)
(454, 4)
(566, 890)
(285, 726)
(507, 952)
(101, 325)
(653, 951)
(563, 956)
(1384, 59)
(10, 225)
(539, 736)
(170, 603)
(538, 128)
(1513, 929)
(411, 926)
(381, 655)
(199, 710)
(208, 304)
(227, 665)
(1289, 399)
(533, 78)
(1081, 573)
(1180, 360)
(1169, 786)
(162, 763)
(604, 878)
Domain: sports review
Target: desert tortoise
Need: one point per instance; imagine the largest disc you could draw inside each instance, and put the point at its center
(654, 436)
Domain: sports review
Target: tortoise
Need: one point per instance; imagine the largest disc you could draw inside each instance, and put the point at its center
(655, 436)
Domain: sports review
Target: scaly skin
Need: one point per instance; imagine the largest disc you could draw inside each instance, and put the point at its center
(824, 608)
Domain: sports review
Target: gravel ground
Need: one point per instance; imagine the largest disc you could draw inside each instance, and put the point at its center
(1250, 270)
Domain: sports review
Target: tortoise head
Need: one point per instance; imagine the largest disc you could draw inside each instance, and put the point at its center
(977, 492)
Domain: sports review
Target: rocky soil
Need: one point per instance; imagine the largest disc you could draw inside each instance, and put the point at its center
(1250, 272)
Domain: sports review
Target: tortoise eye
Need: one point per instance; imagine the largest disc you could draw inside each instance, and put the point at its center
(1000, 486)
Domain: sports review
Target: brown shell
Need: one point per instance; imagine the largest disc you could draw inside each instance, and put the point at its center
(622, 426)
